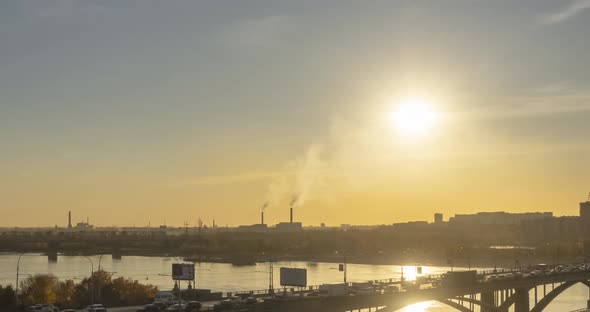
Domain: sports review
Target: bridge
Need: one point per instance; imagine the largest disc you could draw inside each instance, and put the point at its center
(528, 290)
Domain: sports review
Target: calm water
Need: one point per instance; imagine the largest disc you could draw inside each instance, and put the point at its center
(226, 277)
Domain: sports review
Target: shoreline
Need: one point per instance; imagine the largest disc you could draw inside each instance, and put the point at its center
(251, 259)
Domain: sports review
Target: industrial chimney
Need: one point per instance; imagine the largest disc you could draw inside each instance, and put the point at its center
(291, 214)
(262, 217)
(69, 219)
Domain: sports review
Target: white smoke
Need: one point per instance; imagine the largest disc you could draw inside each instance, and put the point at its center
(301, 177)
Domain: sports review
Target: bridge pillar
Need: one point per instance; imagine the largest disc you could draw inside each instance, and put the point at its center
(521, 302)
(52, 256)
(487, 300)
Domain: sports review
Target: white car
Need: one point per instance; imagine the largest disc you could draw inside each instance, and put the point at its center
(95, 308)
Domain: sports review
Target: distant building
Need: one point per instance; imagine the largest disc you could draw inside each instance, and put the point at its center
(551, 229)
(501, 217)
(253, 228)
(585, 218)
(410, 226)
(438, 218)
(289, 226)
(83, 226)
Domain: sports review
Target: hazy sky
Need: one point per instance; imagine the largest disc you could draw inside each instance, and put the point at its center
(166, 111)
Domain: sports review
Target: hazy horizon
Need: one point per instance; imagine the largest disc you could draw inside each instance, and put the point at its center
(129, 112)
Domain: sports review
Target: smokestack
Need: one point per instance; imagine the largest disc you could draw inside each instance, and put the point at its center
(293, 201)
(69, 219)
(262, 218)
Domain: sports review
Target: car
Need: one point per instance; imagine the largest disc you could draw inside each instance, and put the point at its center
(49, 308)
(250, 300)
(95, 308)
(35, 308)
(69, 310)
(193, 306)
(149, 308)
(176, 308)
(161, 305)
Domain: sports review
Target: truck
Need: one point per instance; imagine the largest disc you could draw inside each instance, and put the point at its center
(459, 278)
(330, 290)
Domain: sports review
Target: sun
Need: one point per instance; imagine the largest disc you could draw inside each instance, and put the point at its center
(414, 116)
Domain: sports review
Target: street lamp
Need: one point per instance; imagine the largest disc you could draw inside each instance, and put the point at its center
(17, 274)
(91, 280)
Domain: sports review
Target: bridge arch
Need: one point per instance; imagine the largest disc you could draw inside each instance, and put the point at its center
(476, 302)
(447, 302)
(455, 305)
(543, 303)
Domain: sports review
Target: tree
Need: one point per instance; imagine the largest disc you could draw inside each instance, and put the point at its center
(40, 289)
(65, 293)
(7, 296)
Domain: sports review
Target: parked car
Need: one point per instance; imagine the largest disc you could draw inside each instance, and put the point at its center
(95, 308)
(69, 310)
(35, 308)
(49, 308)
(176, 308)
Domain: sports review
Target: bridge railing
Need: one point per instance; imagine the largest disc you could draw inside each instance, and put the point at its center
(379, 284)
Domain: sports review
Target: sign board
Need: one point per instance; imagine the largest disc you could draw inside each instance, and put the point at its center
(341, 267)
(293, 277)
(183, 271)
(419, 270)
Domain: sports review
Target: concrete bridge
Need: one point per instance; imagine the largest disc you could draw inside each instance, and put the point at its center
(518, 292)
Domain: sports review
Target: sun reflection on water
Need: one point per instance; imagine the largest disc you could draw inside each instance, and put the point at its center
(418, 307)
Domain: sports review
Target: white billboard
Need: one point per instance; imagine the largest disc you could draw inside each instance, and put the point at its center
(293, 277)
(183, 271)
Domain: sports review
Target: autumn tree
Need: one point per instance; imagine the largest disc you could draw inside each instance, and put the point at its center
(40, 288)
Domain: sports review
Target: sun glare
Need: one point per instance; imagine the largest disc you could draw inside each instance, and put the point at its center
(418, 307)
(414, 116)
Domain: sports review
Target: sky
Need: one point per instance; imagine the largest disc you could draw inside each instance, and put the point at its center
(164, 112)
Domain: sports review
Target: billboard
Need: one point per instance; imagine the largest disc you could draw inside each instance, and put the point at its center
(183, 271)
(293, 277)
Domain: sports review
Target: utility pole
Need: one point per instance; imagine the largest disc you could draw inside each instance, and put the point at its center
(345, 270)
(271, 278)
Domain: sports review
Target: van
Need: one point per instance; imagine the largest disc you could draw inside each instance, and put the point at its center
(166, 297)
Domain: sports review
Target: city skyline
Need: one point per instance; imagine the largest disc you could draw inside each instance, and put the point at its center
(128, 113)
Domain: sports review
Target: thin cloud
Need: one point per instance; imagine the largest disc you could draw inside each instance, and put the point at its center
(233, 179)
(566, 13)
(558, 98)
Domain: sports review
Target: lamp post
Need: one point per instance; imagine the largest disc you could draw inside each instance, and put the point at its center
(91, 280)
(17, 274)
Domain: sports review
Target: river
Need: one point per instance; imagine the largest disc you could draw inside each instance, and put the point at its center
(226, 277)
